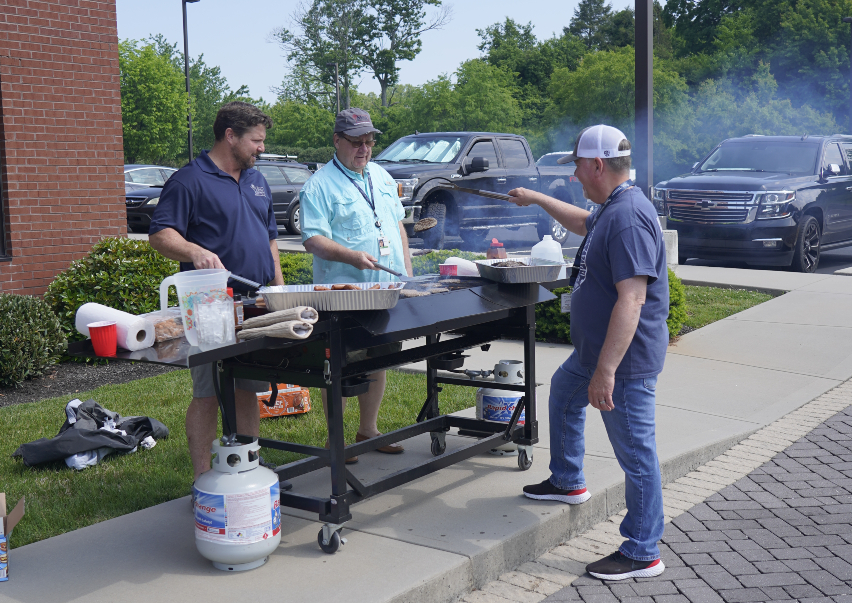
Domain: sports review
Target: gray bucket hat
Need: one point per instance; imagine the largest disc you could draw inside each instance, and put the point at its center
(354, 122)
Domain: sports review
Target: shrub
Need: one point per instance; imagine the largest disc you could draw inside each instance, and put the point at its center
(677, 305)
(31, 338)
(297, 268)
(428, 263)
(121, 273)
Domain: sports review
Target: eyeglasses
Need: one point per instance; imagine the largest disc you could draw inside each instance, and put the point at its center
(358, 143)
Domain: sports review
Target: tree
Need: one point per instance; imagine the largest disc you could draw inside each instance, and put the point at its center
(326, 31)
(696, 21)
(153, 104)
(589, 16)
(392, 33)
(300, 125)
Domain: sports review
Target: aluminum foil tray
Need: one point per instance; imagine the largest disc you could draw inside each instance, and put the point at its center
(283, 297)
(536, 270)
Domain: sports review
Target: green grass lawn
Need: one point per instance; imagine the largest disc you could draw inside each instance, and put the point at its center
(705, 305)
(60, 499)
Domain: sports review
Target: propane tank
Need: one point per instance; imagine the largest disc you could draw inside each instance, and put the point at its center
(499, 404)
(237, 508)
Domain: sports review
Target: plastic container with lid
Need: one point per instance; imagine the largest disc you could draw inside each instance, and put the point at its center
(496, 251)
(548, 249)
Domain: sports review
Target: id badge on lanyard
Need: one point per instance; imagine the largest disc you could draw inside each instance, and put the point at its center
(384, 245)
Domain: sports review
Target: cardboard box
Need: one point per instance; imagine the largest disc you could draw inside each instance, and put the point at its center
(292, 400)
(7, 524)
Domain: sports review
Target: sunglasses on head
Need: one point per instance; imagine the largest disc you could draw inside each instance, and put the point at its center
(358, 143)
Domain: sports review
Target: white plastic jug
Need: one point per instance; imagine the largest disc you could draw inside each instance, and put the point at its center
(196, 287)
(548, 249)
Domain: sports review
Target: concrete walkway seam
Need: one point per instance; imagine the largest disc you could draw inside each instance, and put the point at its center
(531, 581)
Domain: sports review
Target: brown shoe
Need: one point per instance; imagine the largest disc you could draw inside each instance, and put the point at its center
(350, 461)
(389, 449)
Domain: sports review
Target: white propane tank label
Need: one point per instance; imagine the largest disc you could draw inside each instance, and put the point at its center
(495, 408)
(243, 518)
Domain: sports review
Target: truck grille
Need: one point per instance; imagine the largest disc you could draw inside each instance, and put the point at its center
(134, 201)
(710, 207)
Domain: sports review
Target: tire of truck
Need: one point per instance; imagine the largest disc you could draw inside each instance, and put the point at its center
(474, 240)
(554, 229)
(294, 224)
(434, 237)
(807, 248)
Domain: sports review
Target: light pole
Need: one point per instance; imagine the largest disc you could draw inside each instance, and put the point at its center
(849, 20)
(186, 74)
(336, 81)
(643, 149)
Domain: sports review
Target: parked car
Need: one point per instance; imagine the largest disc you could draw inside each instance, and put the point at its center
(286, 178)
(140, 205)
(138, 175)
(764, 200)
(422, 164)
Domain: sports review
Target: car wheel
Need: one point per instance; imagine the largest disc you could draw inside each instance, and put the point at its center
(807, 249)
(294, 224)
(554, 229)
(434, 237)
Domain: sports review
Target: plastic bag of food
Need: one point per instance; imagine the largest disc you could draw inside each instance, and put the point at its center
(168, 324)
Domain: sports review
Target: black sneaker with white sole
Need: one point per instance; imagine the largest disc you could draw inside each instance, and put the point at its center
(547, 491)
(619, 567)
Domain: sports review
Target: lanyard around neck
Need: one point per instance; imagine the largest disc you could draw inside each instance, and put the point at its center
(575, 269)
(370, 202)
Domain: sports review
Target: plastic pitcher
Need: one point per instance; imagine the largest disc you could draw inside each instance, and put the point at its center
(195, 287)
(548, 249)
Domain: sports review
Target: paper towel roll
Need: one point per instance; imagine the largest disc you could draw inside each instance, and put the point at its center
(134, 332)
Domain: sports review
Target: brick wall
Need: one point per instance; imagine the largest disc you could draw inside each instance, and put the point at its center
(60, 136)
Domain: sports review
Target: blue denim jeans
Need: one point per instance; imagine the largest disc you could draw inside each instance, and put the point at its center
(631, 431)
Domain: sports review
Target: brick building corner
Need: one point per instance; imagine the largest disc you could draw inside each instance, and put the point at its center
(61, 156)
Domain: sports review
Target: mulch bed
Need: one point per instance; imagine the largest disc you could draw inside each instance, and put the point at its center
(69, 378)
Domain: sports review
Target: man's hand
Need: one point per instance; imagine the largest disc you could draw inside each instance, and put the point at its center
(600, 390)
(523, 196)
(203, 259)
(362, 260)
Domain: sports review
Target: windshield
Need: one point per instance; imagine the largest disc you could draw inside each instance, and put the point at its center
(763, 156)
(550, 159)
(440, 149)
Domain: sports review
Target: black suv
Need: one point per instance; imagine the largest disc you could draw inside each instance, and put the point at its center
(764, 200)
(284, 176)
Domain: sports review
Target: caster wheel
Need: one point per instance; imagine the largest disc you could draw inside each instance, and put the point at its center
(438, 447)
(524, 462)
(332, 545)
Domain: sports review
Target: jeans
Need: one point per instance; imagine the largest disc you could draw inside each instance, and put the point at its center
(631, 431)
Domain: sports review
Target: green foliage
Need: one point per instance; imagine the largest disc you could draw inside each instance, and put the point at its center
(550, 323)
(297, 268)
(709, 304)
(428, 263)
(677, 305)
(124, 274)
(300, 125)
(153, 105)
(31, 338)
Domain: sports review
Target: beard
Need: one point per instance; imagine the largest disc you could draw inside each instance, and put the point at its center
(246, 161)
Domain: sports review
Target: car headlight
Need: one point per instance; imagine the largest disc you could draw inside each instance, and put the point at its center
(152, 201)
(659, 194)
(405, 188)
(775, 205)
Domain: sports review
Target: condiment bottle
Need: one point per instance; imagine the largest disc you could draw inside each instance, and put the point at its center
(496, 251)
(238, 311)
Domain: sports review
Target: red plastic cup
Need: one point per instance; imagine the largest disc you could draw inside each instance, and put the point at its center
(104, 336)
(448, 269)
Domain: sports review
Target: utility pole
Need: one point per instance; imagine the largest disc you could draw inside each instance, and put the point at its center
(643, 147)
(849, 21)
(336, 82)
(186, 74)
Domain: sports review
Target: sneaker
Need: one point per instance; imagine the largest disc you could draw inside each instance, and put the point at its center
(619, 567)
(547, 491)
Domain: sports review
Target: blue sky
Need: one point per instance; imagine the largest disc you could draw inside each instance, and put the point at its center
(235, 35)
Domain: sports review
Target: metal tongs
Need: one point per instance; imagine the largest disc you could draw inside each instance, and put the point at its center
(475, 191)
(404, 278)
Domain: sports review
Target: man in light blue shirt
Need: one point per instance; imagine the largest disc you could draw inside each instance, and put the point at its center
(351, 219)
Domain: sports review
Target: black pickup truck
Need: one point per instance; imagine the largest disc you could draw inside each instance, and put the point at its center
(422, 163)
(764, 200)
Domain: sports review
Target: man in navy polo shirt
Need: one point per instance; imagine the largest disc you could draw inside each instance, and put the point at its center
(216, 212)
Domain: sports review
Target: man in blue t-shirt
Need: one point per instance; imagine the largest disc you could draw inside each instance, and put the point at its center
(619, 305)
(216, 212)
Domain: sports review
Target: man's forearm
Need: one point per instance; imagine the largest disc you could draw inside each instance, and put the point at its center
(278, 279)
(619, 334)
(328, 250)
(171, 244)
(571, 217)
(406, 252)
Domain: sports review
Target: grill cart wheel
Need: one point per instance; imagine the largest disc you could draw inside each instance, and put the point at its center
(524, 462)
(438, 447)
(333, 542)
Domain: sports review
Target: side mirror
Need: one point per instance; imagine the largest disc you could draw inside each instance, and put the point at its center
(477, 164)
(833, 169)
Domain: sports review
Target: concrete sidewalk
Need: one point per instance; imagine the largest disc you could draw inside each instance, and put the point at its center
(438, 538)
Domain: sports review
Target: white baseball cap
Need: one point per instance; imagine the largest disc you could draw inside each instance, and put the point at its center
(597, 141)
